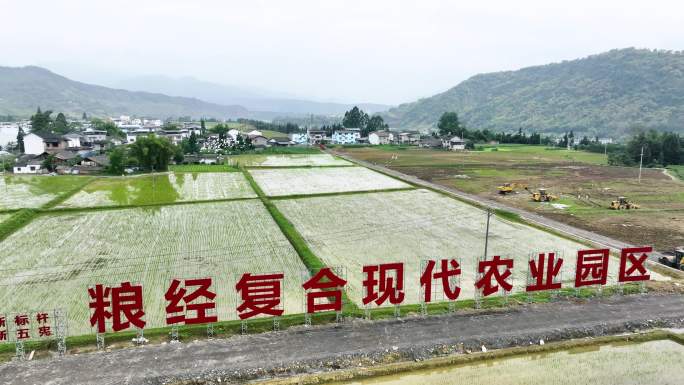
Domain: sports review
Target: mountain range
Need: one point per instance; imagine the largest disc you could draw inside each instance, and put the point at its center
(612, 93)
(257, 101)
(24, 89)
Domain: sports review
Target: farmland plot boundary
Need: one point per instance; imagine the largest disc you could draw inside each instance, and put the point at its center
(16, 221)
(142, 205)
(309, 259)
(319, 195)
(63, 197)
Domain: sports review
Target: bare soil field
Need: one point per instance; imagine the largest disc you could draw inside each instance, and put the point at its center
(584, 185)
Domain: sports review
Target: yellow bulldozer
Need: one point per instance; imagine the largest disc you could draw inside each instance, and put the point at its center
(674, 260)
(622, 203)
(508, 188)
(542, 195)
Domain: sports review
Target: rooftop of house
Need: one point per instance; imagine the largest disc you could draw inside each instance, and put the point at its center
(47, 136)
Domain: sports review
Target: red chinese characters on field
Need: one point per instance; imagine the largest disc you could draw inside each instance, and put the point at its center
(326, 287)
(122, 304)
(632, 261)
(22, 326)
(43, 321)
(449, 268)
(197, 302)
(260, 294)
(388, 286)
(3, 328)
(544, 271)
(492, 277)
(592, 267)
(191, 301)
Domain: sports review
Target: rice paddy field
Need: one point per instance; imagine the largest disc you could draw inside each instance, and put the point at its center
(34, 191)
(296, 181)
(619, 364)
(61, 255)
(411, 226)
(161, 188)
(290, 160)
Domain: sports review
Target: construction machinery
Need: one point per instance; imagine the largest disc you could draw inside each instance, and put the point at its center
(542, 195)
(507, 188)
(674, 260)
(622, 203)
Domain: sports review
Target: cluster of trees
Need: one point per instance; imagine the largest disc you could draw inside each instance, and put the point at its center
(149, 153)
(284, 127)
(357, 118)
(659, 149)
(450, 125)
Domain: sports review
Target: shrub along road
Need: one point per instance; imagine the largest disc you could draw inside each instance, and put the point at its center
(353, 343)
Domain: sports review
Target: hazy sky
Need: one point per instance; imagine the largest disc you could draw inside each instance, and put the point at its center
(384, 51)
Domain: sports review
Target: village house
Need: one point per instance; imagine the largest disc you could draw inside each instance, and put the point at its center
(93, 136)
(346, 136)
(29, 164)
(317, 136)
(280, 142)
(37, 143)
(430, 142)
(454, 143)
(299, 137)
(72, 140)
(258, 141)
(380, 137)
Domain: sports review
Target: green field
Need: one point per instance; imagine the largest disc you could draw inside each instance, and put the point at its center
(34, 191)
(161, 188)
(678, 171)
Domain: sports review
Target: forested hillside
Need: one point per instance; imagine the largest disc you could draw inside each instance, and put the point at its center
(607, 94)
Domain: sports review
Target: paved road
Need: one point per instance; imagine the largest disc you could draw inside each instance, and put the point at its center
(536, 219)
(339, 346)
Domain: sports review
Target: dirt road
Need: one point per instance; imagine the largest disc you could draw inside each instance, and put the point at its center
(349, 344)
(536, 219)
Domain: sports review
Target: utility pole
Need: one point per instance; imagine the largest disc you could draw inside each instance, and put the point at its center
(489, 214)
(641, 162)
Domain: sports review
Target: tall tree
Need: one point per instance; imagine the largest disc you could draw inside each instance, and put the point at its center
(449, 125)
(355, 118)
(107, 125)
(374, 124)
(672, 149)
(20, 140)
(203, 127)
(60, 126)
(221, 130)
(117, 160)
(84, 117)
(153, 153)
(41, 121)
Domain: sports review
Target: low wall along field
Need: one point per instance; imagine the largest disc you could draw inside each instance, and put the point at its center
(163, 188)
(304, 181)
(51, 262)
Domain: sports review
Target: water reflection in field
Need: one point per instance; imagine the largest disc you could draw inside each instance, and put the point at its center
(655, 362)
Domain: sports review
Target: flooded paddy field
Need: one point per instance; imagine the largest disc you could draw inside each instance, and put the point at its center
(653, 362)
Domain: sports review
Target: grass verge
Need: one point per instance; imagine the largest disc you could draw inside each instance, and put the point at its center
(18, 220)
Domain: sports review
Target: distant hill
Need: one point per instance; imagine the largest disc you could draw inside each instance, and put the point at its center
(257, 101)
(610, 93)
(23, 89)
